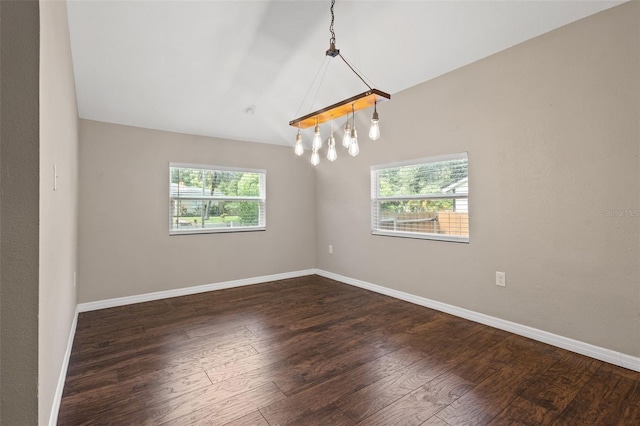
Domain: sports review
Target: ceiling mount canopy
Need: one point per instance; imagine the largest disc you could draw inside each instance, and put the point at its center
(343, 108)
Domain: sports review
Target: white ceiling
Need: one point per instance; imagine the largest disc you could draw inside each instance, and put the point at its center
(196, 67)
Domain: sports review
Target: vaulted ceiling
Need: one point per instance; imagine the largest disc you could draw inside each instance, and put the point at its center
(242, 69)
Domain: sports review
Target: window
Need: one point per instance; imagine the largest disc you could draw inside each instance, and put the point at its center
(207, 199)
(427, 198)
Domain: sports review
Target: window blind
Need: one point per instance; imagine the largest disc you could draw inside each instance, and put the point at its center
(211, 199)
(426, 198)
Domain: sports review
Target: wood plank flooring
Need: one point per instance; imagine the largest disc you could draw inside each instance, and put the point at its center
(312, 351)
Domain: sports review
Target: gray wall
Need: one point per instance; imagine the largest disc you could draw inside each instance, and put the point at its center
(551, 128)
(58, 209)
(552, 133)
(124, 243)
(19, 212)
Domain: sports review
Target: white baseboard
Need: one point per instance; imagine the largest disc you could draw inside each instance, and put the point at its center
(139, 298)
(57, 397)
(602, 354)
(121, 301)
(597, 352)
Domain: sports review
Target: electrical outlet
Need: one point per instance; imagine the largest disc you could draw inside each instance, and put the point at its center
(501, 279)
(330, 249)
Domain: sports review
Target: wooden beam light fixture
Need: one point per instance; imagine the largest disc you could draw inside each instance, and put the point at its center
(367, 99)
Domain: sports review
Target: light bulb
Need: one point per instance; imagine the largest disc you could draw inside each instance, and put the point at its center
(317, 142)
(353, 148)
(315, 158)
(346, 140)
(332, 154)
(374, 131)
(299, 148)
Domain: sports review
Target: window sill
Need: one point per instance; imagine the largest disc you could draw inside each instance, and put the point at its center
(419, 236)
(217, 231)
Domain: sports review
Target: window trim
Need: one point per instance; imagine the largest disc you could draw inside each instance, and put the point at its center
(261, 200)
(376, 199)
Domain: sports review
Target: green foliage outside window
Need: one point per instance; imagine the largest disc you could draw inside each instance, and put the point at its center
(216, 183)
(421, 179)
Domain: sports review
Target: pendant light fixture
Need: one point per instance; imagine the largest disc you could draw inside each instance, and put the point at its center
(374, 131)
(331, 142)
(317, 141)
(366, 99)
(353, 145)
(299, 148)
(346, 139)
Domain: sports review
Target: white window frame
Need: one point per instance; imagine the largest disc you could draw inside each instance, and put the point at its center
(262, 200)
(376, 199)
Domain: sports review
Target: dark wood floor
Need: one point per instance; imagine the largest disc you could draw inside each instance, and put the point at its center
(312, 351)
